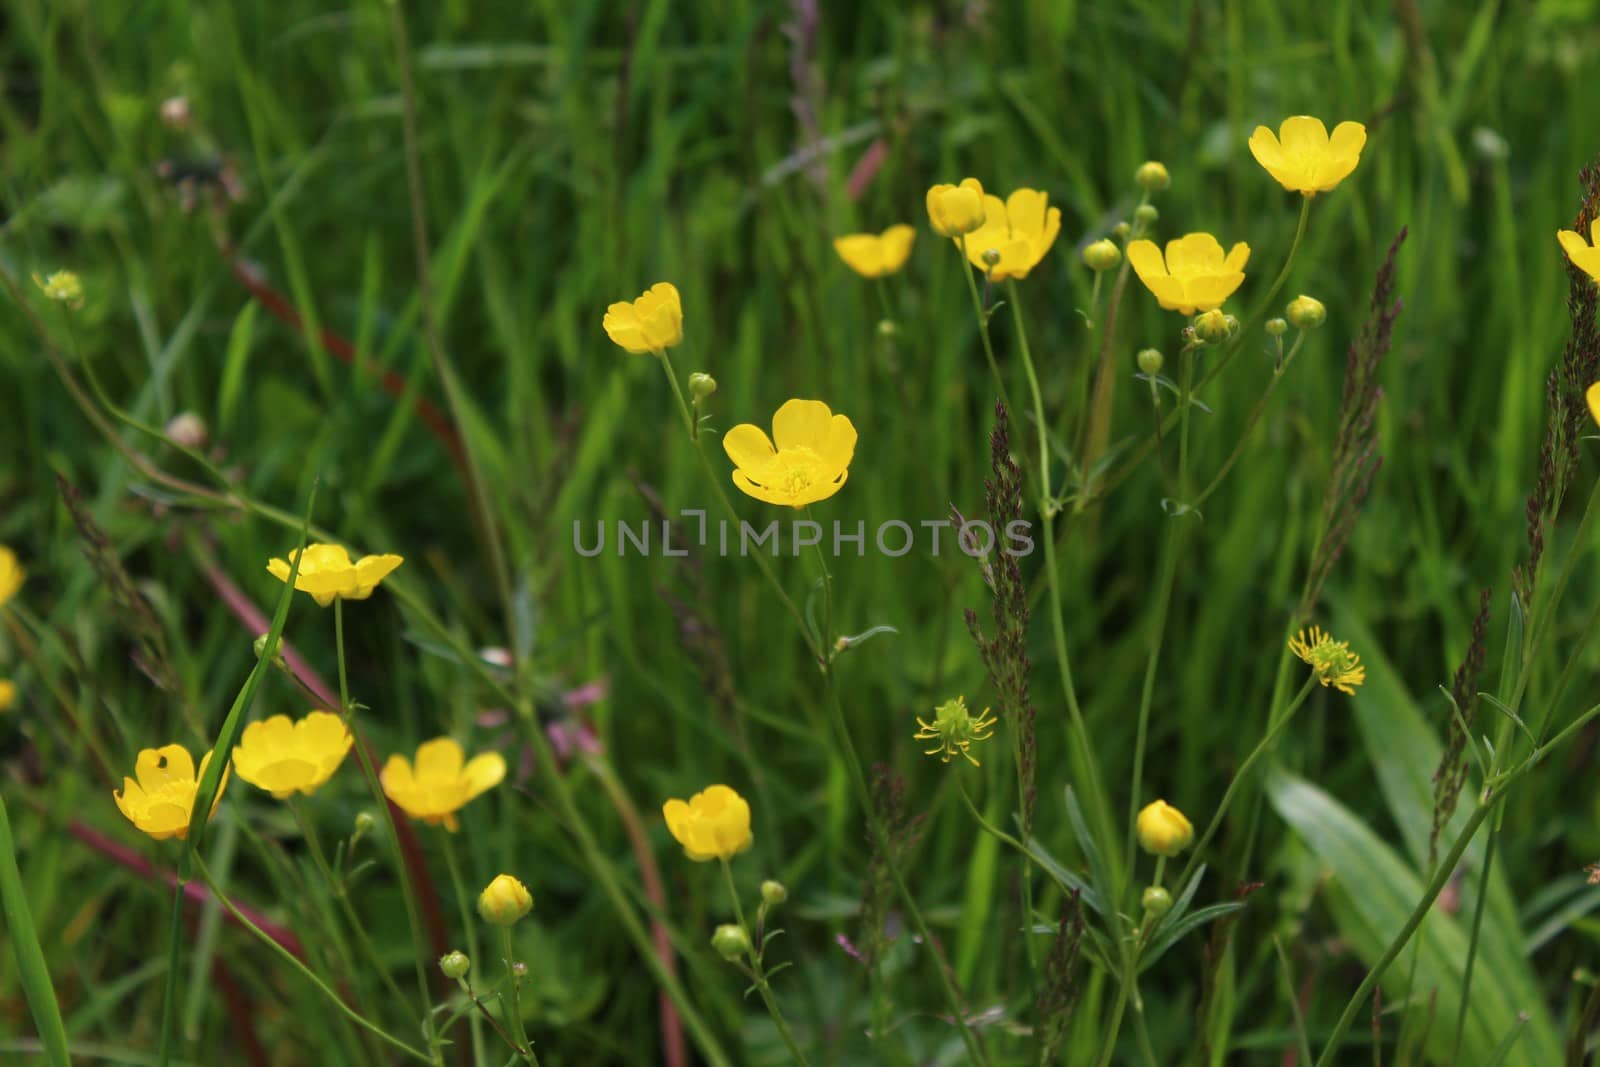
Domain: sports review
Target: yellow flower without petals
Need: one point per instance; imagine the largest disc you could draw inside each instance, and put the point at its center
(62, 286)
(811, 460)
(649, 324)
(8, 694)
(954, 730)
(1585, 255)
(1020, 228)
(873, 255)
(1331, 661)
(161, 800)
(1304, 158)
(441, 781)
(285, 757)
(1195, 275)
(956, 209)
(11, 575)
(1162, 829)
(714, 824)
(327, 573)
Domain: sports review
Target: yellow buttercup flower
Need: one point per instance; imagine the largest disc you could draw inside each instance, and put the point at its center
(811, 460)
(649, 324)
(504, 901)
(1585, 255)
(8, 694)
(714, 824)
(954, 210)
(1020, 229)
(11, 575)
(62, 286)
(1163, 829)
(1332, 661)
(285, 757)
(954, 730)
(872, 255)
(1304, 158)
(1592, 395)
(441, 782)
(328, 574)
(1195, 274)
(161, 800)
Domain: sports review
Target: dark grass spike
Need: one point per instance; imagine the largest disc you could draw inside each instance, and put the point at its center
(1058, 991)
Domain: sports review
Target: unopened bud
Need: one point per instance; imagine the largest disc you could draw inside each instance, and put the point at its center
(1145, 214)
(773, 893)
(1211, 326)
(1152, 177)
(365, 822)
(1102, 255)
(1121, 230)
(519, 969)
(455, 965)
(504, 901)
(259, 647)
(887, 328)
(991, 257)
(1150, 361)
(1306, 313)
(1277, 327)
(701, 385)
(1156, 901)
(730, 941)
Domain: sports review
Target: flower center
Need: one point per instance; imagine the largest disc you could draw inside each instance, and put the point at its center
(794, 470)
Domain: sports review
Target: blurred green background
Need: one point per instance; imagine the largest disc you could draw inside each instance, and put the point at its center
(572, 155)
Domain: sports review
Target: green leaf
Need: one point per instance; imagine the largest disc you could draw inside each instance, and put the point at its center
(1371, 893)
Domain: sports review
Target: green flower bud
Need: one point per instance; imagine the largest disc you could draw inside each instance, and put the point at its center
(1102, 255)
(1150, 361)
(1152, 177)
(1277, 327)
(1121, 230)
(1145, 214)
(701, 385)
(365, 821)
(730, 941)
(1211, 326)
(887, 328)
(455, 965)
(1156, 901)
(991, 257)
(773, 893)
(1306, 312)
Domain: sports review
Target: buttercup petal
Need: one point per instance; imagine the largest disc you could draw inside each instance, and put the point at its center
(1303, 134)
(1145, 258)
(896, 244)
(397, 776)
(1592, 396)
(439, 760)
(1572, 243)
(1265, 147)
(862, 253)
(840, 447)
(748, 446)
(761, 491)
(801, 424)
(157, 768)
(483, 772)
(1026, 211)
(1193, 253)
(1238, 256)
(1348, 139)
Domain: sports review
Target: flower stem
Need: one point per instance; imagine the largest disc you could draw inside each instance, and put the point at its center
(758, 973)
(174, 955)
(983, 322)
(306, 972)
(453, 865)
(1084, 766)
(513, 1009)
(408, 891)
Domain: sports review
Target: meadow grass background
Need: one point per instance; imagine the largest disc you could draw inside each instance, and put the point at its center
(573, 154)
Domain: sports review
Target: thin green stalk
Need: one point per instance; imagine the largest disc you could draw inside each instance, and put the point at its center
(31, 966)
(1472, 941)
(1303, 1043)
(1262, 747)
(463, 903)
(306, 972)
(169, 1000)
(1085, 768)
(1250, 423)
(408, 891)
(758, 974)
(514, 1009)
(983, 325)
(762, 563)
(1169, 568)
